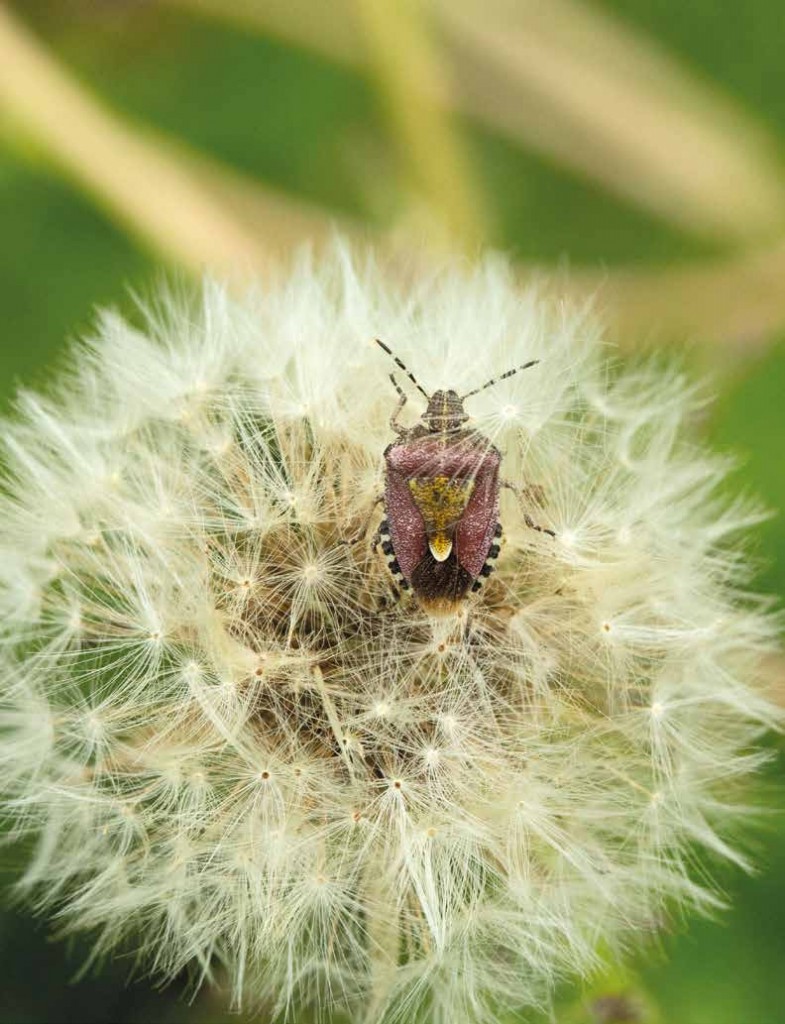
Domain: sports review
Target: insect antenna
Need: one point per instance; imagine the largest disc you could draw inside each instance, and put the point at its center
(405, 368)
(495, 380)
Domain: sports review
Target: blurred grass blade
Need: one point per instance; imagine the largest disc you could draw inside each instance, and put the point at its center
(174, 204)
(196, 213)
(607, 102)
(329, 29)
(738, 303)
(581, 88)
(411, 77)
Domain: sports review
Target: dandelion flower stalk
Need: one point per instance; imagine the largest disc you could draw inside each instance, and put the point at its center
(241, 752)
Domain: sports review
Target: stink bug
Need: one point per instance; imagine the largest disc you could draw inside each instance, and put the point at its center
(441, 498)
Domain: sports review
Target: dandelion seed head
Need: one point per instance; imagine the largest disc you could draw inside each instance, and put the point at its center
(237, 750)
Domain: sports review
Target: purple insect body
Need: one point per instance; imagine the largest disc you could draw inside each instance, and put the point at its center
(441, 500)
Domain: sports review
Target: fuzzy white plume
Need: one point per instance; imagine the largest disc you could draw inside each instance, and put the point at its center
(239, 753)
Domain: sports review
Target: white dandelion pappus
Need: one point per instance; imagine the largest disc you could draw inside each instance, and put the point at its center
(240, 754)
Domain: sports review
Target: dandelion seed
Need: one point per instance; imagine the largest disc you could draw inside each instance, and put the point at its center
(234, 747)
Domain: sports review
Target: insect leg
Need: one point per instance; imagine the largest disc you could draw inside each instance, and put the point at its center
(535, 526)
(533, 493)
(357, 537)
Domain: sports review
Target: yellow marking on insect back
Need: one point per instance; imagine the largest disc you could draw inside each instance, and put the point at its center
(441, 501)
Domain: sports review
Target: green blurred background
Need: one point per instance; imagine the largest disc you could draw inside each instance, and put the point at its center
(640, 143)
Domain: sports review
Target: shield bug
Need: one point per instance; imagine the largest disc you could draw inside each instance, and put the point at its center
(441, 528)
